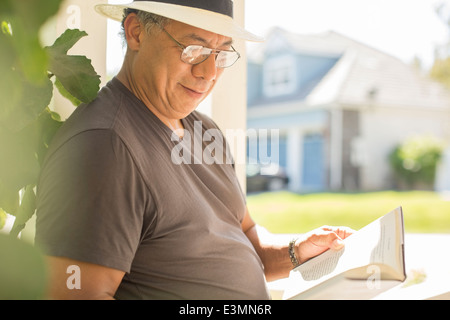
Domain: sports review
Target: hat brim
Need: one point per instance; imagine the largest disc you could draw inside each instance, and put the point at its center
(200, 18)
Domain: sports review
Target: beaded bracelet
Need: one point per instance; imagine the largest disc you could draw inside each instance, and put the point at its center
(292, 255)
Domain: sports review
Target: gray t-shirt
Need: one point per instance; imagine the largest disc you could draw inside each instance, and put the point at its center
(114, 192)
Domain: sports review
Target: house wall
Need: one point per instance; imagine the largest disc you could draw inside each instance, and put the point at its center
(350, 162)
(443, 175)
(354, 111)
(382, 129)
(311, 69)
(254, 82)
(298, 131)
(301, 73)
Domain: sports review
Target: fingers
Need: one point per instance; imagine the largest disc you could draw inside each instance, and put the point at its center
(330, 237)
(326, 239)
(337, 244)
(342, 232)
(322, 239)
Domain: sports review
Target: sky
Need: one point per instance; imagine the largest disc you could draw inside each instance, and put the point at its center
(402, 28)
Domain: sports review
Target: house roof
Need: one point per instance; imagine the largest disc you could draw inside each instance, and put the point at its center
(363, 76)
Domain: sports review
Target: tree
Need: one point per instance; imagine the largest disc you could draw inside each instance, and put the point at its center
(440, 70)
(29, 73)
(415, 161)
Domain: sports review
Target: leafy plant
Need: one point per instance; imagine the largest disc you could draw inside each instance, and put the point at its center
(440, 71)
(29, 74)
(415, 161)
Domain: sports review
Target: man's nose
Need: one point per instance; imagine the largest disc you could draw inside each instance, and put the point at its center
(206, 70)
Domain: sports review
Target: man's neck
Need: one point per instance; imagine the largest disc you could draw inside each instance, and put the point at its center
(176, 125)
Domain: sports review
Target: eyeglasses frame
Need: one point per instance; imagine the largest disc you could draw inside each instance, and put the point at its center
(213, 51)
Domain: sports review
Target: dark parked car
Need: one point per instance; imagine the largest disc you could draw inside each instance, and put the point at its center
(265, 177)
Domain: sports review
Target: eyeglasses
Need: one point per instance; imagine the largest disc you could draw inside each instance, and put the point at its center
(195, 54)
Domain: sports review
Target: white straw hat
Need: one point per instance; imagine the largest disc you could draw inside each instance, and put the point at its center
(211, 15)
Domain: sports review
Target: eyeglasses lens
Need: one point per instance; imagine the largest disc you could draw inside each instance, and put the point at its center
(197, 54)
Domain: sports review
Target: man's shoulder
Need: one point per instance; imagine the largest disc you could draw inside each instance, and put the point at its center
(100, 113)
(95, 116)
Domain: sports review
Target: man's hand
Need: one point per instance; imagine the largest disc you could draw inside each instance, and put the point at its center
(320, 240)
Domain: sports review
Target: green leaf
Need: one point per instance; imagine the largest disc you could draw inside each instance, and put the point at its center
(21, 21)
(9, 199)
(30, 58)
(33, 12)
(6, 7)
(18, 113)
(19, 164)
(30, 109)
(25, 212)
(6, 28)
(11, 86)
(3, 217)
(66, 94)
(45, 127)
(23, 69)
(55, 116)
(26, 123)
(75, 73)
(22, 155)
(66, 41)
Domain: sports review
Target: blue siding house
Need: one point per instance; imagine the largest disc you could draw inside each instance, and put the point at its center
(339, 108)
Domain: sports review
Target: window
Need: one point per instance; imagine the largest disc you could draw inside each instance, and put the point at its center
(279, 76)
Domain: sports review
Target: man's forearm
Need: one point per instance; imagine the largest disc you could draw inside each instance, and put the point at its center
(275, 257)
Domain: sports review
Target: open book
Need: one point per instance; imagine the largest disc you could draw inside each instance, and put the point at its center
(371, 261)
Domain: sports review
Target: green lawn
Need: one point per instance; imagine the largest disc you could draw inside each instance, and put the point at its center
(285, 212)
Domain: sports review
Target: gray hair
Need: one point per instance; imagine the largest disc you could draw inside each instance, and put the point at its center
(149, 20)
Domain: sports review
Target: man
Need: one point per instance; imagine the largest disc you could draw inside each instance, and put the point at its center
(111, 201)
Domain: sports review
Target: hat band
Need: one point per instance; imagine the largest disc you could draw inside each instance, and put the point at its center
(219, 6)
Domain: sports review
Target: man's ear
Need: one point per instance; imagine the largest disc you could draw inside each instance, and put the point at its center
(133, 30)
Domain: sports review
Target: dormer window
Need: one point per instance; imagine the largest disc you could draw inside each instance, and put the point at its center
(279, 76)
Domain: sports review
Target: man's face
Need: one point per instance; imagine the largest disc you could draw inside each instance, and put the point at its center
(168, 85)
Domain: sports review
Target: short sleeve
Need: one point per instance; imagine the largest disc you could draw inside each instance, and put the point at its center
(91, 201)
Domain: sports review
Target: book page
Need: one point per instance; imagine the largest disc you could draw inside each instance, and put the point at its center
(325, 264)
(376, 243)
(381, 241)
